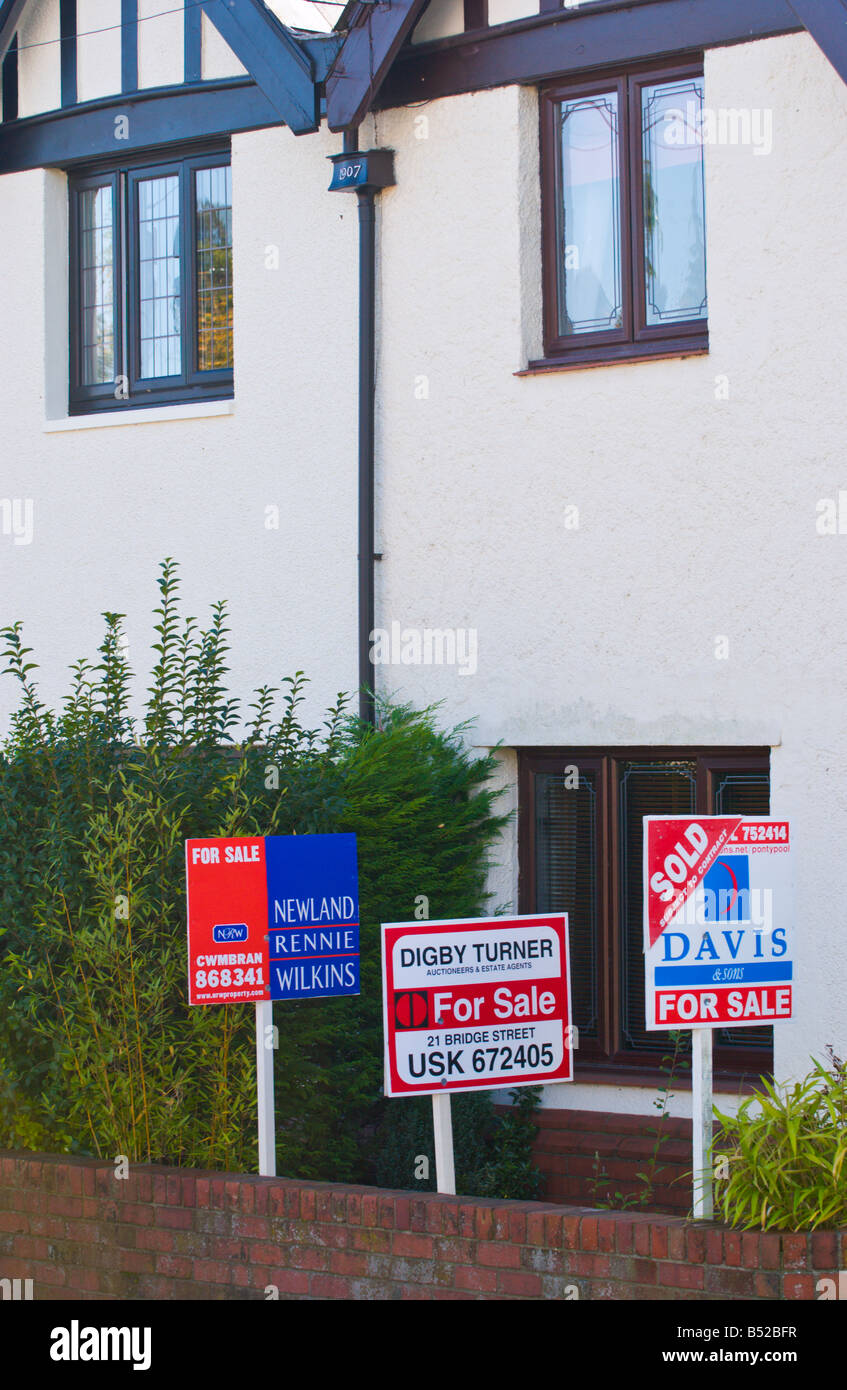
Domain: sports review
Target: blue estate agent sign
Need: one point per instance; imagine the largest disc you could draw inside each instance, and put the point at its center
(313, 915)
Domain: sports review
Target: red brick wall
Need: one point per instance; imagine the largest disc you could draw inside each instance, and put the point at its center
(568, 1141)
(79, 1232)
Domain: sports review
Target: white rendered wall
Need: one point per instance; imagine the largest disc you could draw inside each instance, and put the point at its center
(504, 11)
(439, 19)
(99, 47)
(39, 71)
(160, 43)
(697, 514)
(218, 59)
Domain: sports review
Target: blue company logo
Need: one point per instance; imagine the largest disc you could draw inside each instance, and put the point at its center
(230, 931)
(726, 888)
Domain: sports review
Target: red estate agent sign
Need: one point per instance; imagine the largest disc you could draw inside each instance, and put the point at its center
(227, 920)
(272, 917)
(476, 1004)
(718, 921)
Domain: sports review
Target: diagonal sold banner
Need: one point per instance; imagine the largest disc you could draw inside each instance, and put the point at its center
(680, 856)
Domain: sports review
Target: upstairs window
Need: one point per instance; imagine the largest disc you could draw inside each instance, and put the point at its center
(624, 217)
(151, 284)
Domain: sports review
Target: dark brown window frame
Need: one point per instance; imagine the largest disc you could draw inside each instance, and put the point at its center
(604, 1060)
(635, 339)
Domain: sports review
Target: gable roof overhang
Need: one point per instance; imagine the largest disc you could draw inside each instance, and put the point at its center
(559, 42)
(288, 70)
(368, 62)
(278, 64)
(826, 21)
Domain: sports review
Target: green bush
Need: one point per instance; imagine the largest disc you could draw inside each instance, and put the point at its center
(99, 1051)
(493, 1153)
(783, 1154)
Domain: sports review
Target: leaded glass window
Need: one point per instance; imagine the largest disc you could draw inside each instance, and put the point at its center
(97, 297)
(151, 283)
(159, 276)
(214, 267)
(590, 228)
(674, 201)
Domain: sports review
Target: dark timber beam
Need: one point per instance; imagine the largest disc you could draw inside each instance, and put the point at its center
(273, 58)
(67, 51)
(826, 21)
(129, 45)
(574, 40)
(323, 50)
(10, 83)
(155, 116)
(192, 43)
(378, 31)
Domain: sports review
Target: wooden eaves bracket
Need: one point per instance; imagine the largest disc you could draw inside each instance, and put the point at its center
(278, 64)
(377, 30)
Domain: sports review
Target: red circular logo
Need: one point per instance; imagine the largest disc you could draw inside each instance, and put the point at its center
(411, 1009)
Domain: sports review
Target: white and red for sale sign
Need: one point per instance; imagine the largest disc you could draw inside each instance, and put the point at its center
(476, 1003)
(718, 921)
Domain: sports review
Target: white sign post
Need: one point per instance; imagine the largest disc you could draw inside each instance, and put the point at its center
(265, 1087)
(718, 943)
(474, 1004)
(442, 1124)
(701, 1121)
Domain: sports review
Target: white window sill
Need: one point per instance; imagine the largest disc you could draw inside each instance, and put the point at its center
(199, 410)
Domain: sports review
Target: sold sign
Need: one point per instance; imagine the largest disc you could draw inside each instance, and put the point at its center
(681, 852)
(718, 921)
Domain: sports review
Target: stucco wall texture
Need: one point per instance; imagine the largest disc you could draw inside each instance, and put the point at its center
(697, 514)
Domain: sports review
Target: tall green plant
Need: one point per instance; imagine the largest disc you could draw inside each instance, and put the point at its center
(781, 1159)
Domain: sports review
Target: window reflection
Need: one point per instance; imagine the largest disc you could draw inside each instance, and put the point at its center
(160, 297)
(590, 292)
(97, 287)
(674, 202)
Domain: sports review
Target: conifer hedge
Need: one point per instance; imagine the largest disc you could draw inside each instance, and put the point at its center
(99, 1051)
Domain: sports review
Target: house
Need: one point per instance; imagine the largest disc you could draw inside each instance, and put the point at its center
(578, 443)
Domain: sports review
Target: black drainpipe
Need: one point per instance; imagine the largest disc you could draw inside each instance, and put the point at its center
(367, 172)
(367, 400)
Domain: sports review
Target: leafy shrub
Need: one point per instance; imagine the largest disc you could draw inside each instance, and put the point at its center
(784, 1154)
(99, 1051)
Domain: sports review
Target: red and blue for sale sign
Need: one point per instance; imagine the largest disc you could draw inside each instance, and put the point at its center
(272, 917)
